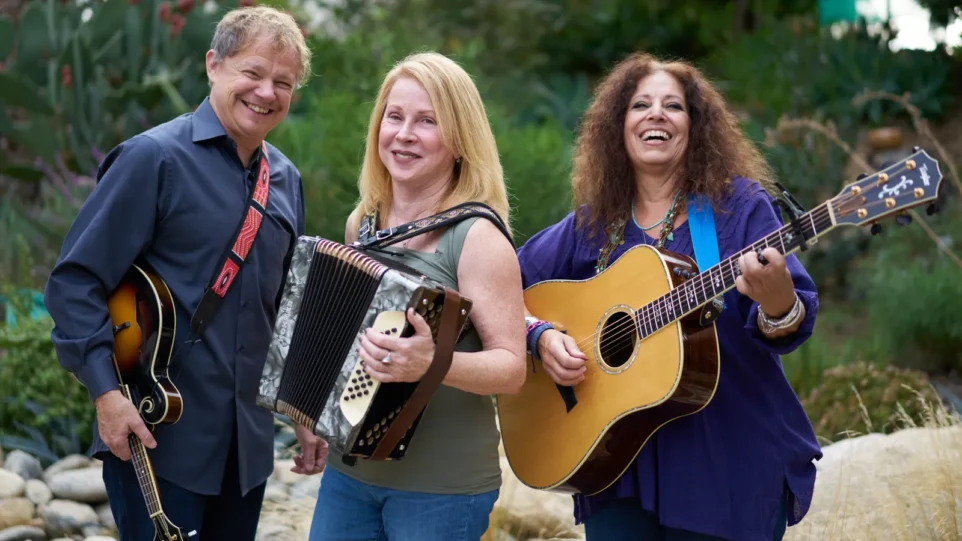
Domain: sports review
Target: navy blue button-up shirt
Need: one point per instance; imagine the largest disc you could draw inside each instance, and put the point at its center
(175, 196)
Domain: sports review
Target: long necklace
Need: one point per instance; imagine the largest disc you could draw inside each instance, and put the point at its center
(667, 233)
(614, 232)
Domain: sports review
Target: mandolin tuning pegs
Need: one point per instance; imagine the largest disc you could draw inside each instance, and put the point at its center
(876, 229)
(903, 219)
(933, 208)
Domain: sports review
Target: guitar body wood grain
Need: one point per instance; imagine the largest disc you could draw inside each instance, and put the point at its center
(630, 389)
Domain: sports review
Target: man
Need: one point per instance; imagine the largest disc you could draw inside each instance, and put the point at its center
(174, 197)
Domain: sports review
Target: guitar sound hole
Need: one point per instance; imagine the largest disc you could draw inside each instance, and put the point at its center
(618, 337)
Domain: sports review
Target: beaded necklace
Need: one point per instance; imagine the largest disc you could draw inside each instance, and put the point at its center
(614, 232)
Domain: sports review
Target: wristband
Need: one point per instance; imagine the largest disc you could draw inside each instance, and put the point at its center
(534, 331)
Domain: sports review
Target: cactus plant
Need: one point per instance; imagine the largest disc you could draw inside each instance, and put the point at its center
(106, 70)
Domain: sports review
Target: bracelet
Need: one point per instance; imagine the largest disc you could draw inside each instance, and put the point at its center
(768, 325)
(535, 328)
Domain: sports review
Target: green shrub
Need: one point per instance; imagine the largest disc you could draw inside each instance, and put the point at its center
(860, 397)
(43, 409)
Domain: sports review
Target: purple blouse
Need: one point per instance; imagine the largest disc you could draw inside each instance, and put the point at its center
(721, 471)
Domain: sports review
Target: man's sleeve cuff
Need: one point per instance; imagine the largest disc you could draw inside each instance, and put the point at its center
(98, 376)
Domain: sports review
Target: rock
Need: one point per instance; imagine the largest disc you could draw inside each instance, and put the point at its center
(24, 465)
(529, 513)
(95, 531)
(85, 485)
(11, 484)
(106, 516)
(274, 532)
(276, 491)
(65, 518)
(15, 512)
(71, 462)
(23, 533)
(898, 486)
(100, 538)
(306, 488)
(283, 473)
(37, 492)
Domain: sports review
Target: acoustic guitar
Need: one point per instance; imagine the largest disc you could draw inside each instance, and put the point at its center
(646, 325)
(144, 325)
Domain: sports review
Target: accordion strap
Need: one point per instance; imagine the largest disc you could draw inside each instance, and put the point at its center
(371, 237)
(235, 257)
(443, 354)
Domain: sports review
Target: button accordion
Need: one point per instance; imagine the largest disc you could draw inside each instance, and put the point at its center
(313, 375)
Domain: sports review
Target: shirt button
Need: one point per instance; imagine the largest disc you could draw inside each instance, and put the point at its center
(244, 304)
(240, 348)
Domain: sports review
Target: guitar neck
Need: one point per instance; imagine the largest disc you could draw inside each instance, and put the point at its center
(145, 475)
(715, 281)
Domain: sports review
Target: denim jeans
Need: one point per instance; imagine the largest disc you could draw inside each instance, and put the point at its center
(348, 510)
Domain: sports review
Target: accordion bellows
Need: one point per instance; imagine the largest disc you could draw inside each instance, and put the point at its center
(312, 374)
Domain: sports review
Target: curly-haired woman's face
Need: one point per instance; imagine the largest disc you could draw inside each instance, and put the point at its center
(656, 125)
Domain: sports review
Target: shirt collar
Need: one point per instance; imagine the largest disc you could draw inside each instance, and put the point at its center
(205, 124)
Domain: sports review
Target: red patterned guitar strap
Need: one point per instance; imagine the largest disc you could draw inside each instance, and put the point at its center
(235, 258)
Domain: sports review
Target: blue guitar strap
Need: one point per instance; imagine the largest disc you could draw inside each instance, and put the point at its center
(701, 223)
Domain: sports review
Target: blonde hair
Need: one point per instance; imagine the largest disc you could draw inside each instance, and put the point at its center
(239, 27)
(465, 130)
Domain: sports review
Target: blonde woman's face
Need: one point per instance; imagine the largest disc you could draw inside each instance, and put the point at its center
(409, 140)
(657, 123)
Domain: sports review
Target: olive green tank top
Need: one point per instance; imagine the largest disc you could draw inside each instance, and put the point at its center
(455, 447)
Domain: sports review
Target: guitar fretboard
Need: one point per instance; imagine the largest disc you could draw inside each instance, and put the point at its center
(702, 288)
(145, 475)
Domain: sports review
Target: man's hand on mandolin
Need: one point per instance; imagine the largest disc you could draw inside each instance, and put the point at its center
(117, 417)
(561, 358)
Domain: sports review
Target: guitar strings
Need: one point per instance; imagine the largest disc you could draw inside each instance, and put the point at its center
(651, 313)
(653, 310)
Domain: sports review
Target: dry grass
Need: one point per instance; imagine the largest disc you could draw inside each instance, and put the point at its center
(906, 486)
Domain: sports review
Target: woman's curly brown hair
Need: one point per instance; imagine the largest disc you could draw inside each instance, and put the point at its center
(603, 181)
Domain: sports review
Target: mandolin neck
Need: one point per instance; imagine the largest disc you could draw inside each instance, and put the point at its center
(700, 289)
(143, 469)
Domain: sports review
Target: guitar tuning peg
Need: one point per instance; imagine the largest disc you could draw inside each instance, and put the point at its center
(876, 229)
(933, 208)
(916, 149)
(903, 219)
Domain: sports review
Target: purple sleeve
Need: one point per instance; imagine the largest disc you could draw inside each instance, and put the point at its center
(762, 220)
(547, 255)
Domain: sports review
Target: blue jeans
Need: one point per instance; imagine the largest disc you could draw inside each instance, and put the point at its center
(624, 520)
(348, 510)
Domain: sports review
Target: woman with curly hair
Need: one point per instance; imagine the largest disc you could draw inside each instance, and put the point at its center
(656, 136)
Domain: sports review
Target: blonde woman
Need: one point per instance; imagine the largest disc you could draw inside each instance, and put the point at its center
(429, 148)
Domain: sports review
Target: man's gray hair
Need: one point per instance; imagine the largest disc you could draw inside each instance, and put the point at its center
(240, 27)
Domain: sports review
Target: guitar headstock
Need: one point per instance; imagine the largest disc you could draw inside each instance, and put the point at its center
(909, 183)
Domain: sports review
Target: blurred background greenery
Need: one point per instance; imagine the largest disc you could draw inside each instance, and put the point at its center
(79, 76)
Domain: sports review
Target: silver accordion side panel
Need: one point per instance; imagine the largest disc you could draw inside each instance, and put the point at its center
(394, 291)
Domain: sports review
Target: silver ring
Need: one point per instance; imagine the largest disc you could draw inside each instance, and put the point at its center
(387, 358)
